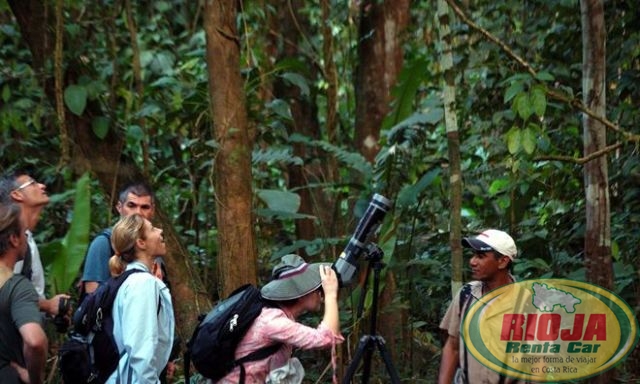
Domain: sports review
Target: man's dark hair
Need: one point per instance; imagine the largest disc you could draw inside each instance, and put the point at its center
(138, 188)
(9, 223)
(499, 256)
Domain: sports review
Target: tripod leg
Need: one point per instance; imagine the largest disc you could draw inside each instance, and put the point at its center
(366, 363)
(391, 370)
(363, 346)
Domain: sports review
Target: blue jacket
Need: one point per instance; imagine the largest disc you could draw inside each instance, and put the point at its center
(143, 328)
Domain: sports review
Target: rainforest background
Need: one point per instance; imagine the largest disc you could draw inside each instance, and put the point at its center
(265, 127)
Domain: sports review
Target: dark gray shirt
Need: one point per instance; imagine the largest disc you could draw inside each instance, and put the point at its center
(18, 306)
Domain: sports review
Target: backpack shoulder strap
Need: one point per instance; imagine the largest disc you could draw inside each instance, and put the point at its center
(117, 281)
(114, 286)
(259, 354)
(27, 269)
(465, 294)
(465, 300)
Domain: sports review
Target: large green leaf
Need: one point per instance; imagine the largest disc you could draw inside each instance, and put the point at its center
(529, 139)
(538, 101)
(545, 76)
(409, 194)
(75, 97)
(73, 247)
(299, 81)
(100, 126)
(514, 137)
(522, 106)
(513, 90)
(411, 78)
(278, 200)
(498, 186)
(280, 108)
(6, 93)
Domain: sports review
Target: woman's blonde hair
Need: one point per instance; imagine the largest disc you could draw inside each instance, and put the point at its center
(116, 266)
(123, 241)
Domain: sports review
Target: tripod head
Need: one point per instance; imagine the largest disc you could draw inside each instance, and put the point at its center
(374, 253)
(373, 256)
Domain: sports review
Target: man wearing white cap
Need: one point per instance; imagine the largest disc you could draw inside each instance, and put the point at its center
(493, 254)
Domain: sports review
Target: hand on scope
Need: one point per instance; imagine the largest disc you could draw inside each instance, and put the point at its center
(330, 286)
(330, 283)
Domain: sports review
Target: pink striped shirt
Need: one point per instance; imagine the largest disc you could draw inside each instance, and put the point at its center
(275, 325)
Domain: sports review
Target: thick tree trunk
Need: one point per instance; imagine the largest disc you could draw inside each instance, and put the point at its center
(237, 252)
(597, 244)
(380, 58)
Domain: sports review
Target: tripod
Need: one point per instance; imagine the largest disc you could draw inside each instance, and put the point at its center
(368, 342)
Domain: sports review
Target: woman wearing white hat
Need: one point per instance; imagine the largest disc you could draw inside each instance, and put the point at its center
(296, 287)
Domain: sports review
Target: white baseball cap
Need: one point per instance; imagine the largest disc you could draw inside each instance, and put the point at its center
(492, 240)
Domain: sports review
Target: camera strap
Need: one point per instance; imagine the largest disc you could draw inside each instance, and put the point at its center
(465, 302)
(27, 268)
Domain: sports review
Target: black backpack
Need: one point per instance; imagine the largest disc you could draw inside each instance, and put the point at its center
(90, 354)
(213, 344)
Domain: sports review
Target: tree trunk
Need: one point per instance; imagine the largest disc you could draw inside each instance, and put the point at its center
(597, 244)
(453, 141)
(237, 253)
(380, 54)
(380, 58)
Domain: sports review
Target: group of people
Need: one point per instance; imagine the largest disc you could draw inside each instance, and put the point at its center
(145, 340)
(144, 325)
(143, 311)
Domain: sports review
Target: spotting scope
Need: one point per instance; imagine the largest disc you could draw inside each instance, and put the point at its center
(346, 265)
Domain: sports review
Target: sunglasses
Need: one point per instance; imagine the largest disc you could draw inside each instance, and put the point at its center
(25, 184)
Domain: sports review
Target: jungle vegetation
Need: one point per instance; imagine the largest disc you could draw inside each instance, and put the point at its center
(265, 126)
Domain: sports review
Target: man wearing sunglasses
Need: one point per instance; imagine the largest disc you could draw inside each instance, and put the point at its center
(21, 188)
(493, 255)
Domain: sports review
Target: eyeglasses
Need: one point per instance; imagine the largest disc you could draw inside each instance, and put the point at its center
(25, 184)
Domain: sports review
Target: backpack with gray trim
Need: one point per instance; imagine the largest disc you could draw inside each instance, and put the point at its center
(213, 344)
(90, 353)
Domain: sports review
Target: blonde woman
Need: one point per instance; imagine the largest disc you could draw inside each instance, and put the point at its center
(143, 322)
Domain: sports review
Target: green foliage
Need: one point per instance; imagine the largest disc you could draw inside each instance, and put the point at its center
(70, 251)
(404, 94)
(509, 129)
(351, 160)
(75, 98)
(281, 204)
